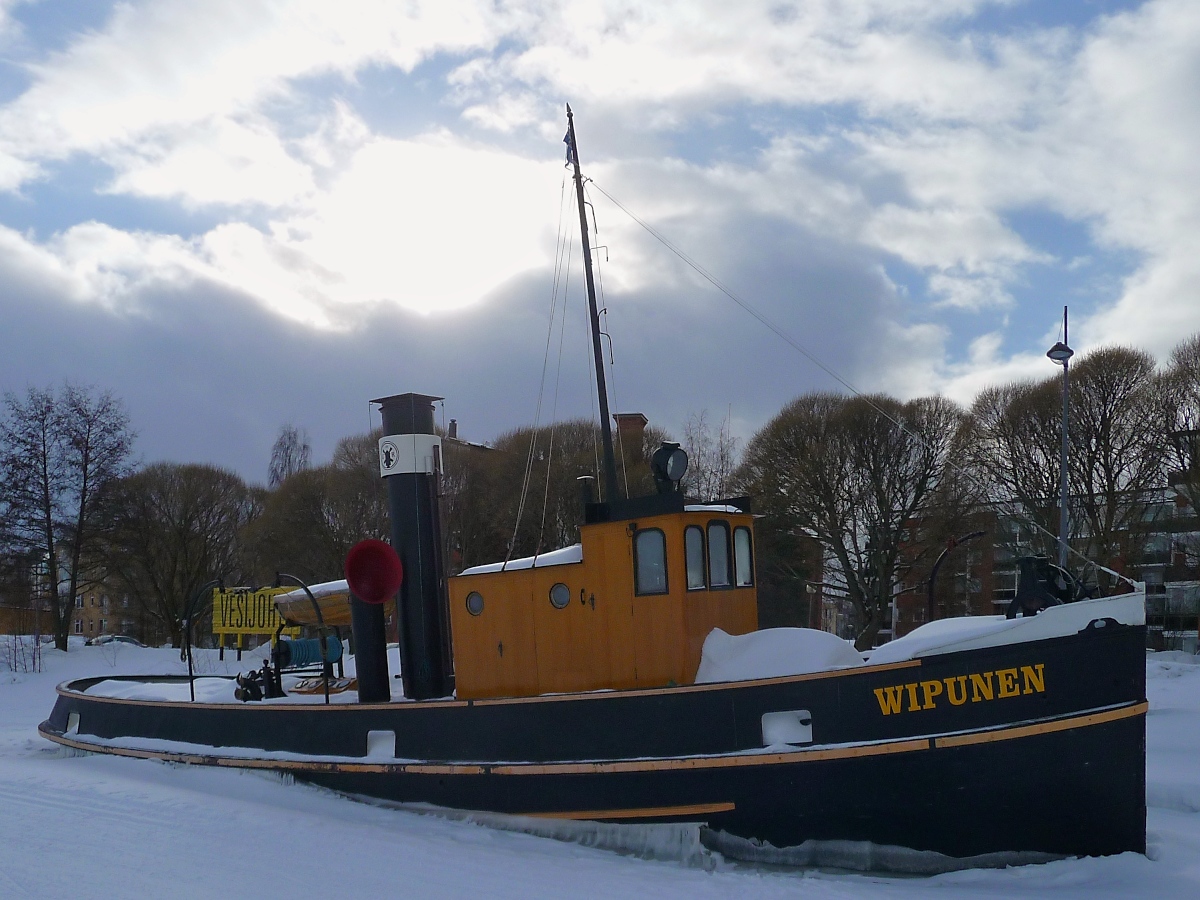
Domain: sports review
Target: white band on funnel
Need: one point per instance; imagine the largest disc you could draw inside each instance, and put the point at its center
(399, 453)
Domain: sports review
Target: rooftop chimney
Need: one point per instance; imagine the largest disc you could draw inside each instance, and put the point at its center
(630, 428)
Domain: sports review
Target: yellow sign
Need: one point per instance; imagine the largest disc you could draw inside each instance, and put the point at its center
(247, 611)
(982, 686)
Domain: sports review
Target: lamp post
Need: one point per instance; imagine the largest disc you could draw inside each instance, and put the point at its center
(1061, 354)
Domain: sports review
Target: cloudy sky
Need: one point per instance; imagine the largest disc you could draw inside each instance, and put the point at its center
(241, 214)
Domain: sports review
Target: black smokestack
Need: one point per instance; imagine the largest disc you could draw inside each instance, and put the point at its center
(410, 463)
(374, 574)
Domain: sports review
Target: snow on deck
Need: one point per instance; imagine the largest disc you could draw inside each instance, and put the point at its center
(563, 557)
(973, 632)
(772, 653)
(778, 652)
(324, 589)
(209, 690)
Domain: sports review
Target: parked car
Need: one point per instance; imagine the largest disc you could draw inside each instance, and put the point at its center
(113, 639)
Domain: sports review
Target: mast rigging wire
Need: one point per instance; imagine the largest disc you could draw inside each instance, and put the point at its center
(794, 344)
(562, 331)
(562, 268)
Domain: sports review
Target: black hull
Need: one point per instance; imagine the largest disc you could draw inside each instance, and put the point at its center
(1058, 766)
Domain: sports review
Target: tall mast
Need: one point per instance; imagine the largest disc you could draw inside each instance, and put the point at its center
(611, 490)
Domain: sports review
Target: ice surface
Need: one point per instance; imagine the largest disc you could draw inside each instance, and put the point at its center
(142, 829)
(772, 653)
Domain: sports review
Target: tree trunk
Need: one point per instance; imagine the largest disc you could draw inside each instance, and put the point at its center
(866, 638)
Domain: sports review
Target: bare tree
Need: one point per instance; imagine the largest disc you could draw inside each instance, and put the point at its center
(712, 457)
(853, 473)
(1180, 386)
(1118, 451)
(313, 518)
(1116, 459)
(549, 514)
(469, 504)
(290, 454)
(58, 453)
(1018, 438)
(521, 496)
(172, 528)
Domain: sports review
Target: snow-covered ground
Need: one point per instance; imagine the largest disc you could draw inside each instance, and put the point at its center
(77, 826)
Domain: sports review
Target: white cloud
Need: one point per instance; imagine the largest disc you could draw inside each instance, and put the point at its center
(970, 250)
(888, 57)
(887, 129)
(224, 162)
(426, 224)
(97, 264)
(905, 360)
(176, 71)
(509, 112)
(987, 365)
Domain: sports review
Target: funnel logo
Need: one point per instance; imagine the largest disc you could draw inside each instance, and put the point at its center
(388, 455)
(401, 454)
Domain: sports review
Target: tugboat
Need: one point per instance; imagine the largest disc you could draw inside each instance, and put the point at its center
(600, 682)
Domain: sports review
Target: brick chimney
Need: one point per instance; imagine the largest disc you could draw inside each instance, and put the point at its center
(630, 428)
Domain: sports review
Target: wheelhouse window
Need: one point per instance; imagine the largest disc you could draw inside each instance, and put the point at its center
(743, 557)
(718, 555)
(693, 546)
(650, 561)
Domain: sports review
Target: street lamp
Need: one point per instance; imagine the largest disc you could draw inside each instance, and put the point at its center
(1061, 354)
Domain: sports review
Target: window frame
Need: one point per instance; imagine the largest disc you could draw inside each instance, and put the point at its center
(687, 572)
(723, 524)
(553, 588)
(750, 542)
(637, 587)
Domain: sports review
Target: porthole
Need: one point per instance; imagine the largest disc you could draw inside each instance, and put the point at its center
(474, 603)
(560, 596)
